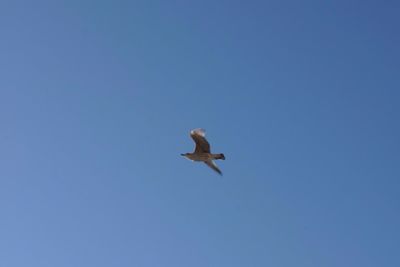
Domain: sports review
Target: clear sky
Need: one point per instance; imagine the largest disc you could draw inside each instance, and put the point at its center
(97, 99)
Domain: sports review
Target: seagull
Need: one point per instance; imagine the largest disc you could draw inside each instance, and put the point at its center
(202, 151)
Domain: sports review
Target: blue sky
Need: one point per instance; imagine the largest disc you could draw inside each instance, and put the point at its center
(97, 99)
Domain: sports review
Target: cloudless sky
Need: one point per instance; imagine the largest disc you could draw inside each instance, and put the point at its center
(97, 99)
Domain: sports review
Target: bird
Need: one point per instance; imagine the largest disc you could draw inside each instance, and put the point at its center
(202, 151)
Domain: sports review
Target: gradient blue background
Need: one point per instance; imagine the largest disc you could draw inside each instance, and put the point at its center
(98, 98)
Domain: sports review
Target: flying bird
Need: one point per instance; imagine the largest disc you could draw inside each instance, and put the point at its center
(202, 150)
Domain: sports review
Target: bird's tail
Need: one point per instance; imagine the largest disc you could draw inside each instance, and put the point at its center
(219, 156)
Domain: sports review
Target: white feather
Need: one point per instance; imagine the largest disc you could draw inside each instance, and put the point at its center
(198, 131)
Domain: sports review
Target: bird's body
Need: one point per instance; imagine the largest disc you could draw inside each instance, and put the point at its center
(202, 151)
(203, 156)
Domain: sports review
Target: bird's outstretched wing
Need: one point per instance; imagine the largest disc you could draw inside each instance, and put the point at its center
(202, 146)
(213, 166)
